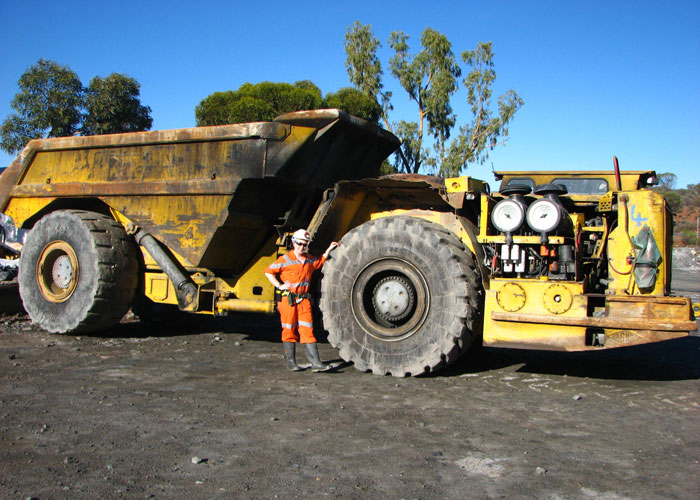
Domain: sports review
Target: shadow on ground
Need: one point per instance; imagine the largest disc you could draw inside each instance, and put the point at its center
(670, 360)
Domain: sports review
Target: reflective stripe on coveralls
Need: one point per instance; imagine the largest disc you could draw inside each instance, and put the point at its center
(296, 317)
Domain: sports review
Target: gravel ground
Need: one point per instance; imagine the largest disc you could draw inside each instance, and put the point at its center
(207, 410)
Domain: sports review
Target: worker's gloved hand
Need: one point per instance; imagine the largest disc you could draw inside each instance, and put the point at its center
(330, 248)
(284, 286)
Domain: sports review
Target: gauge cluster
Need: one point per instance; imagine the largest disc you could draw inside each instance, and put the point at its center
(536, 234)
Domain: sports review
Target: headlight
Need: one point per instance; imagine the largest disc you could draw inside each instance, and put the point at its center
(508, 216)
(543, 216)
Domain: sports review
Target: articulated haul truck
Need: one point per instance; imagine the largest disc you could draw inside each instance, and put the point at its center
(188, 219)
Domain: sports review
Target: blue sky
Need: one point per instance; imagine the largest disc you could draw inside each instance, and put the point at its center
(599, 78)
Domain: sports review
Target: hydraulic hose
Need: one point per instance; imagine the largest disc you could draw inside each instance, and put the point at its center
(185, 289)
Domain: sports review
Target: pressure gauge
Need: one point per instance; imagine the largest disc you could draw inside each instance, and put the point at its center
(508, 215)
(544, 215)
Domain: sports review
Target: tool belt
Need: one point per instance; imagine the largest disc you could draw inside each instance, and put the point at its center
(292, 297)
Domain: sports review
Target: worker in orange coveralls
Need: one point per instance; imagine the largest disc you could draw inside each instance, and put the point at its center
(291, 273)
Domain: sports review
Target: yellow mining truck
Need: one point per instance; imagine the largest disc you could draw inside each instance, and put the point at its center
(189, 218)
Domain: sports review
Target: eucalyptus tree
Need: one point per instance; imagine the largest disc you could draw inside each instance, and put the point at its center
(430, 77)
(487, 128)
(52, 102)
(365, 69)
(48, 104)
(113, 106)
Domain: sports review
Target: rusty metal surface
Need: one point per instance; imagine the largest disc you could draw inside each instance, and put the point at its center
(618, 323)
(149, 188)
(212, 194)
(673, 314)
(354, 200)
(613, 339)
(541, 314)
(263, 130)
(631, 179)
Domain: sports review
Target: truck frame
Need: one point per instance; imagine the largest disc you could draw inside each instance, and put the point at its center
(186, 220)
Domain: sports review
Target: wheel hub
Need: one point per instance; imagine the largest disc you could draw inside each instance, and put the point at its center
(390, 299)
(393, 298)
(62, 272)
(57, 271)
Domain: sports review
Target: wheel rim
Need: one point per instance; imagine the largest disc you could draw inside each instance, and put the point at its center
(57, 271)
(390, 299)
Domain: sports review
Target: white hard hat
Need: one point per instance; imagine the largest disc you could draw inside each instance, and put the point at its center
(301, 235)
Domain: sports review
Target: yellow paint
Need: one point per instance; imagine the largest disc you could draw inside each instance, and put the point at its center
(485, 228)
(464, 184)
(637, 209)
(253, 278)
(22, 209)
(241, 305)
(159, 288)
(238, 292)
(531, 297)
(185, 224)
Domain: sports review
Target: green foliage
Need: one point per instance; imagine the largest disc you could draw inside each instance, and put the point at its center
(354, 102)
(412, 144)
(257, 102)
(47, 105)
(486, 129)
(364, 67)
(667, 180)
(52, 102)
(308, 85)
(266, 100)
(685, 204)
(689, 237)
(674, 199)
(387, 168)
(679, 199)
(431, 78)
(214, 109)
(113, 106)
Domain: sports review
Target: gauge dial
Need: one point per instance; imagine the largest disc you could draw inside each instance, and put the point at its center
(543, 216)
(507, 216)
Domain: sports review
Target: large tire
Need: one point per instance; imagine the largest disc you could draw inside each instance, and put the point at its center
(401, 296)
(78, 272)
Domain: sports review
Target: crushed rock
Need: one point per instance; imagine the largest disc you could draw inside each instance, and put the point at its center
(687, 258)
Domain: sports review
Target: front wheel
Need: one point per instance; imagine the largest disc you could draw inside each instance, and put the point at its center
(401, 296)
(78, 272)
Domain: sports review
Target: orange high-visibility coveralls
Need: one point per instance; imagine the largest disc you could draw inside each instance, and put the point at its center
(297, 319)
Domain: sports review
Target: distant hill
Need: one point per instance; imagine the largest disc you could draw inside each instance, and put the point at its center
(685, 204)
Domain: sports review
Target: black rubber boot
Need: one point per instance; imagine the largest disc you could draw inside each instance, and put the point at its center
(314, 359)
(290, 353)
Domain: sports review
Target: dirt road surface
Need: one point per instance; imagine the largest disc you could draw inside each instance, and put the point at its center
(207, 410)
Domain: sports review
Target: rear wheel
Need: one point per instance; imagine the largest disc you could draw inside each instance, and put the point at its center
(401, 296)
(78, 272)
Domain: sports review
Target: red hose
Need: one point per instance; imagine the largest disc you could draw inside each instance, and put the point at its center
(617, 174)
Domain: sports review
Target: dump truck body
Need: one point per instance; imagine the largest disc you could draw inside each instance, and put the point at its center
(188, 219)
(216, 198)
